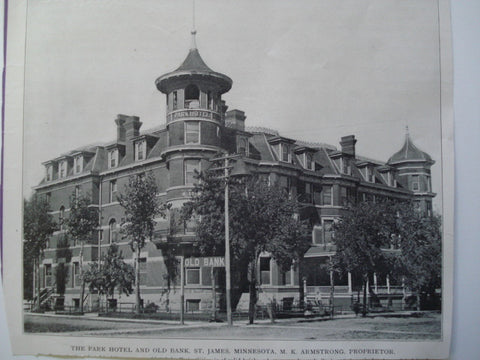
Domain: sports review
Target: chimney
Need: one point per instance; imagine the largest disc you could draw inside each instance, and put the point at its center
(128, 127)
(348, 145)
(235, 119)
(120, 129)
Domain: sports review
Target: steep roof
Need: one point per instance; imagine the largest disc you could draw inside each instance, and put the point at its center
(194, 67)
(409, 152)
(194, 62)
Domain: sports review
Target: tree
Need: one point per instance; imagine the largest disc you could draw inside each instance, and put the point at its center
(112, 273)
(38, 226)
(262, 219)
(81, 224)
(360, 236)
(419, 261)
(141, 207)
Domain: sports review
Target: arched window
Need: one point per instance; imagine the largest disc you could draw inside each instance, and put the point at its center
(61, 216)
(112, 234)
(192, 97)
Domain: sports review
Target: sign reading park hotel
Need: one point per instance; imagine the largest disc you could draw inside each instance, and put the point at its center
(329, 110)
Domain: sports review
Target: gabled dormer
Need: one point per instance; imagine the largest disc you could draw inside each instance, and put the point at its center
(367, 169)
(64, 165)
(142, 145)
(343, 163)
(388, 175)
(282, 147)
(80, 159)
(305, 156)
(115, 154)
(51, 170)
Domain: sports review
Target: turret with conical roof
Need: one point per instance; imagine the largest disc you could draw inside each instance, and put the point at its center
(413, 169)
(195, 118)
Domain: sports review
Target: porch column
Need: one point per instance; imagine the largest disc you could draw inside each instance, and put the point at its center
(388, 284)
(375, 282)
(349, 282)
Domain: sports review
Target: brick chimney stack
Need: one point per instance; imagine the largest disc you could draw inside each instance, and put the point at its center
(128, 127)
(235, 119)
(348, 145)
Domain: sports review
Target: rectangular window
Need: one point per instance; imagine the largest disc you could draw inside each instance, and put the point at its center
(49, 174)
(192, 132)
(346, 167)
(415, 183)
(77, 191)
(265, 270)
(242, 146)
(328, 232)
(113, 191)
(142, 265)
(308, 192)
(62, 169)
(343, 196)
(113, 158)
(285, 153)
(327, 195)
(369, 173)
(193, 305)
(175, 100)
(317, 234)
(309, 164)
(76, 274)
(190, 174)
(140, 150)
(48, 197)
(286, 277)
(78, 164)
(192, 276)
(48, 275)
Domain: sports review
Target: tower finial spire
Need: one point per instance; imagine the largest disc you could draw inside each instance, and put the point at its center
(193, 46)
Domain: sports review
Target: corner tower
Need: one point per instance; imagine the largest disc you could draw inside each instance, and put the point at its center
(194, 119)
(413, 169)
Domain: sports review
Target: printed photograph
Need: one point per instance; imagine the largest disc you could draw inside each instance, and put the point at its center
(259, 170)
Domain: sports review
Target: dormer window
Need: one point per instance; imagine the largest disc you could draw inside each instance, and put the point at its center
(309, 164)
(78, 164)
(62, 169)
(369, 174)
(140, 150)
(49, 173)
(346, 166)
(242, 146)
(192, 132)
(285, 153)
(113, 158)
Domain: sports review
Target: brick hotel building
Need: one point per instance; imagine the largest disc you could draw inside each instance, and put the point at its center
(198, 125)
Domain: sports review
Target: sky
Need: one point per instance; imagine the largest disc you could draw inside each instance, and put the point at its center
(314, 70)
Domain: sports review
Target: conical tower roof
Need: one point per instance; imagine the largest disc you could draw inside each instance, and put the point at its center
(193, 67)
(409, 152)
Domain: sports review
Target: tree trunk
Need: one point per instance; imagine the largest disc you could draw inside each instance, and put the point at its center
(37, 275)
(364, 309)
(82, 291)
(253, 293)
(301, 291)
(137, 280)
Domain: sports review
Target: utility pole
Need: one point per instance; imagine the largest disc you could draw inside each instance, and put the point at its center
(227, 249)
(236, 171)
